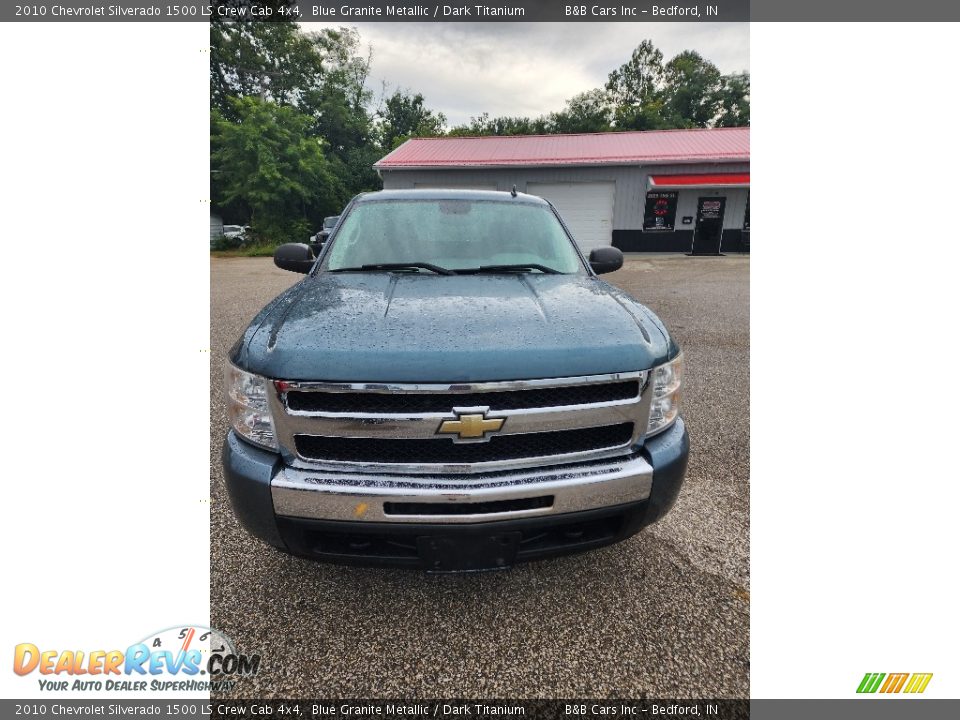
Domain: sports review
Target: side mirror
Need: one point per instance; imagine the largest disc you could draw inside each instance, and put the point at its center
(295, 257)
(606, 260)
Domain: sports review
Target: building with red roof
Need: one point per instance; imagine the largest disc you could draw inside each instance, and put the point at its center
(653, 191)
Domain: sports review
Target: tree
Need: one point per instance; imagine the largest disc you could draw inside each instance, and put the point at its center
(405, 115)
(733, 100)
(322, 75)
(267, 160)
(691, 88)
(505, 125)
(339, 104)
(587, 112)
(686, 92)
(634, 90)
(269, 60)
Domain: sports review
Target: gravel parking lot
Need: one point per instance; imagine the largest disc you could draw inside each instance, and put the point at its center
(665, 614)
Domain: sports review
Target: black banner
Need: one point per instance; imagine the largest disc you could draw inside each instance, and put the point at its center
(423, 709)
(192, 709)
(353, 11)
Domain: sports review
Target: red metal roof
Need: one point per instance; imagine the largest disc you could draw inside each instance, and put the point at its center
(706, 179)
(624, 148)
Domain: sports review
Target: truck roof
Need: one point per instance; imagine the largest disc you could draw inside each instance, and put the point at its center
(450, 194)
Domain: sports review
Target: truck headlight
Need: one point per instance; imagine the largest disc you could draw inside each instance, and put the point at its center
(248, 408)
(665, 405)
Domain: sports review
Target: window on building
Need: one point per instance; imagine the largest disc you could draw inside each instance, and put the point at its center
(660, 212)
(746, 215)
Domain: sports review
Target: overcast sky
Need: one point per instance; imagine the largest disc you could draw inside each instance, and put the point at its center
(464, 69)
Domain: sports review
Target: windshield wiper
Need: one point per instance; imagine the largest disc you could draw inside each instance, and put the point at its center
(519, 267)
(396, 266)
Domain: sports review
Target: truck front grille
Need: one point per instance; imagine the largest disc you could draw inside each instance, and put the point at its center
(444, 451)
(431, 428)
(404, 403)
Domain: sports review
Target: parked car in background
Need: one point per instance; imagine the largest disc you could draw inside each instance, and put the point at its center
(452, 387)
(229, 237)
(317, 241)
(235, 231)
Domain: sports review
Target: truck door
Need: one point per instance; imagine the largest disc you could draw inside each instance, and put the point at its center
(709, 228)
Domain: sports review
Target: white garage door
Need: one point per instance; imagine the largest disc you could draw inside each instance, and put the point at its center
(452, 186)
(586, 208)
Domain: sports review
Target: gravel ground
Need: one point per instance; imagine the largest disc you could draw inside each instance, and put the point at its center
(664, 614)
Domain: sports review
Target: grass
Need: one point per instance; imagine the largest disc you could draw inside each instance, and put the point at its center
(252, 251)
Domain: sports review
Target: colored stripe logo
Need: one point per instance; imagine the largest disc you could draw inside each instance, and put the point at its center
(894, 682)
(918, 683)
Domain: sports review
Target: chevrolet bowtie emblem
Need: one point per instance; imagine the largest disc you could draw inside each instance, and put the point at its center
(474, 426)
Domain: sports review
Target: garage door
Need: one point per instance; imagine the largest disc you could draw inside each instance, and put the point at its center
(452, 186)
(586, 208)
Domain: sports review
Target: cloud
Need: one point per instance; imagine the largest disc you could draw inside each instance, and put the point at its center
(465, 69)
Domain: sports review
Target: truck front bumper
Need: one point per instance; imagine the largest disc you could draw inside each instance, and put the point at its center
(453, 522)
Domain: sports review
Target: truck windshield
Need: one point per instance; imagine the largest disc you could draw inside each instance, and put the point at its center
(458, 235)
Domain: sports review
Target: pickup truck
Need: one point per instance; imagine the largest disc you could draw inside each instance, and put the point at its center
(317, 240)
(451, 387)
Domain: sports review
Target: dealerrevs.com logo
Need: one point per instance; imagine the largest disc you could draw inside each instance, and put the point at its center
(911, 683)
(181, 659)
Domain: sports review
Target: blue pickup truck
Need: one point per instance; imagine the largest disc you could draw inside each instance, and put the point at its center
(451, 387)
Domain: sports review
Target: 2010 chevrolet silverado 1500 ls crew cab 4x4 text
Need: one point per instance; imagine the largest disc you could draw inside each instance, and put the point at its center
(452, 387)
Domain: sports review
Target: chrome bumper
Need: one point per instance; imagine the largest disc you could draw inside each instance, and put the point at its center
(362, 497)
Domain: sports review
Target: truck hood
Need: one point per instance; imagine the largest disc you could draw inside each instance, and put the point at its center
(379, 327)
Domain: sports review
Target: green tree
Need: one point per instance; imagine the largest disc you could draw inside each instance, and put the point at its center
(339, 99)
(691, 87)
(322, 75)
(686, 92)
(267, 160)
(634, 90)
(405, 115)
(340, 106)
(269, 60)
(587, 112)
(504, 125)
(733, 99)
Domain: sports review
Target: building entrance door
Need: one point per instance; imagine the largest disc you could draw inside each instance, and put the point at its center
(709, 228)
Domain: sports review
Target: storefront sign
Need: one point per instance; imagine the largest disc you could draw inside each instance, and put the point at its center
(661, 210)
